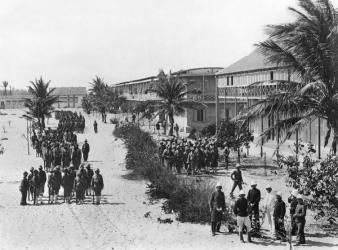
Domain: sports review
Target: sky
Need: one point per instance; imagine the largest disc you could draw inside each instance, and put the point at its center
(71, 41)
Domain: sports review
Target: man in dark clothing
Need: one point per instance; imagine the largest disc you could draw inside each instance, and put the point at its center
(254, 197)
(133, 118)
(278, 216)
(79, 186)
(57, 155)
(241, 211)
(42, 180)
(293, 204)
(161, 148)
(236, 176)
(217, 207)
(300, 214)
(97, 185)
(85, 150)
(24, 185)
(76, 157)
(226, 154)
(35, 186)
(67, 185)
(89, 175)
(95, 127)
(58, 180)
(30, 185)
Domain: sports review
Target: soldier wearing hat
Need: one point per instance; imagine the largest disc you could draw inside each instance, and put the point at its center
(97, 185)
(300, 214)
(42, 180)
(35, 182)
(254, 197)
(268, 208)
(76, 157)
(236, 176)
(89, 175)
(30, 185)
(293, 204)
(24, 186)
(241, 211)
(85, 150)
(67, 185)
(278, 216)
(217, 207)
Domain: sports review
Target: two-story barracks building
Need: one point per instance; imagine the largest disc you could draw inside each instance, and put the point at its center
(202, 79)
(247, 81)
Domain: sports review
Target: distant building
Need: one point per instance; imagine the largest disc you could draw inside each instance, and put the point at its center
(202, 79)
(247, 81)
(68, 97)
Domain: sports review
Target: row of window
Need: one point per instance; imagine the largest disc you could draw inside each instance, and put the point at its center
(230, 79)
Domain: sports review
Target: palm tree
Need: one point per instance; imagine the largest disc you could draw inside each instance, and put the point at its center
(41, 104)
(172, 98)
(308, 48)
(86, 104)
(5, 83)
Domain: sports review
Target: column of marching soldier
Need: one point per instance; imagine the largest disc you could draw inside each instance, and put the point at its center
(62, 161)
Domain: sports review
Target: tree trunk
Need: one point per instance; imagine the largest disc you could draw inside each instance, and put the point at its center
(238, 155)
(335, 140)
(171, 131)
(42, 122)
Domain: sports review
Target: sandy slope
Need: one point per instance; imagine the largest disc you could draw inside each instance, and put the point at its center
(119, 223)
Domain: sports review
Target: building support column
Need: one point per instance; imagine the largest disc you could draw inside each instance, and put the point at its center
(68, 101)
(216, 103)
(73, 101)
(262, 125)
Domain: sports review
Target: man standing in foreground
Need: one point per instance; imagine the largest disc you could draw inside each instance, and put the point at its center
(278, 216)
(254, 197)
(241, 211)
(217, 207)
(97, 185)
(300, 214)
(236, 176)
(268, 208)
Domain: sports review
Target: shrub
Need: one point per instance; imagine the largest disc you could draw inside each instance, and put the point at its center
(186, 197)
(317, 180)
(209, 130)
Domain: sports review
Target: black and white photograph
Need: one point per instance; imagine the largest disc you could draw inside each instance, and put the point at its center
(168, 124)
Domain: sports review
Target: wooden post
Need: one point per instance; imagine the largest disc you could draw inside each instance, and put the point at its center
(216, 103)
(278, 133)
(319, 156)
(68, 104)
(73, 101)
(262, 125)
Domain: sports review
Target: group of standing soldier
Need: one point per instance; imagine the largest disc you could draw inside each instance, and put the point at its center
(62, 159)
(192, 157)
(247, 210)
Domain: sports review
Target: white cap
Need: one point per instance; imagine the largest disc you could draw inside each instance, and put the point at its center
(279, 193)
(253, 183)
(268, 186)
(294, 192)
(241, 192)
(218, 184)
(299, 196)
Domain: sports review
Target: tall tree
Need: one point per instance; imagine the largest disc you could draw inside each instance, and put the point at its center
(172, 95)
(308, 48)
(41, 104)
(5, 84)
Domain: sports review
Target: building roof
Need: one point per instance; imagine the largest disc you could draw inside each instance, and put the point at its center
(63, 91)
(254, 61)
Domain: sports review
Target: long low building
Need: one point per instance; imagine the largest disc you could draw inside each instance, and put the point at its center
(68, 97)
(202, 79)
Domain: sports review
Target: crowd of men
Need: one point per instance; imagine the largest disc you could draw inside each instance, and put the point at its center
(247, 211)
(63, 162)
(193, 158)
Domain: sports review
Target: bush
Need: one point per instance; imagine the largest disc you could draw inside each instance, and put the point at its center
(317, 180)
(209, 130)
(186, 197)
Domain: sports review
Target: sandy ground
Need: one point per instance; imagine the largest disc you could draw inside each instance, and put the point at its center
(119, 223)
